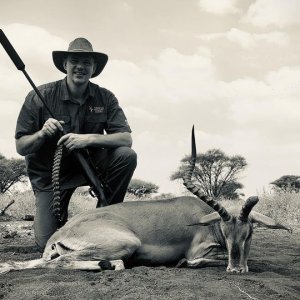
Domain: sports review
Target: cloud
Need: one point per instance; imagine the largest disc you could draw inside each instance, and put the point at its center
(263, 13)
(158, 158)
(171, 76)
(247, 39)
(34, 45)
(254, 52)
(41, 47)
(269, 106)
(140, 113)
(161, 90)
(219, 7)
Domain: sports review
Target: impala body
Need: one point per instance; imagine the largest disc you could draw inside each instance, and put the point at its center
(184, 231)
(148, 232)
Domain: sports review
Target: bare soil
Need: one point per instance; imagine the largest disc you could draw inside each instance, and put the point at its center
(274, 274)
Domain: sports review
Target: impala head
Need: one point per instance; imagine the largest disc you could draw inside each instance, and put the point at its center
(236, 231)
(237, 228)
(238, 235)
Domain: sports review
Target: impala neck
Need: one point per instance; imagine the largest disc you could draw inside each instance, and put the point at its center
(219, 235)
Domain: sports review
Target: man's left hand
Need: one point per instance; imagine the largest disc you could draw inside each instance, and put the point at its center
(74, 141)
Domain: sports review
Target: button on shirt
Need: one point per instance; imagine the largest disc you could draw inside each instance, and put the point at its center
(100, 113)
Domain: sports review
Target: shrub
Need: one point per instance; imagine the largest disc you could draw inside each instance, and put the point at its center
(24, 204)
(282, 206)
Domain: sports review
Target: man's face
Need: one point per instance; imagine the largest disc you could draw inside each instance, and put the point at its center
(80, 68)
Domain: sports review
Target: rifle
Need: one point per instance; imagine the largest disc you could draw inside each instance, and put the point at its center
(89, 171)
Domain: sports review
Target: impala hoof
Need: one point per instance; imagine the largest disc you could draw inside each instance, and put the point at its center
(237, 270)
(118, 264)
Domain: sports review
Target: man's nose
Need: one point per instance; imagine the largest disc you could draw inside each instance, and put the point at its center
(79, 65)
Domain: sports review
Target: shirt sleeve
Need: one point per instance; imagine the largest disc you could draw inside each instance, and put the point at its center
(116, 119)
(28, 119)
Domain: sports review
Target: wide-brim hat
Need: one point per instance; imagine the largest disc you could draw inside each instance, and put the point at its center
(80, 46)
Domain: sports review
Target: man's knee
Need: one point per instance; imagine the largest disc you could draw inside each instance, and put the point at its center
(127, 155)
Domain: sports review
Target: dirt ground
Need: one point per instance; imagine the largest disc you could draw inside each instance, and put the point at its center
(274, 274)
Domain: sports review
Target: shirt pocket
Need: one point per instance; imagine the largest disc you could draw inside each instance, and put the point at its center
(95, 123)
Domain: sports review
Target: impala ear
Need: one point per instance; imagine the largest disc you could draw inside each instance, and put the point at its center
(208, 219)
(267, 222)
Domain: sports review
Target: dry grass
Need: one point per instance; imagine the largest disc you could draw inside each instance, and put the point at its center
(284, 207)
(24, 204)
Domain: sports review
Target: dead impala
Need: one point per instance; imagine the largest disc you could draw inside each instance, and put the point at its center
(173, 231)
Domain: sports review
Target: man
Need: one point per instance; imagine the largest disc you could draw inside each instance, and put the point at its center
(91, 118)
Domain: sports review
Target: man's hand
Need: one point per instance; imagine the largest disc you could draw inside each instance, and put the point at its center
(51, 127)
(74, 141)
(28, 144)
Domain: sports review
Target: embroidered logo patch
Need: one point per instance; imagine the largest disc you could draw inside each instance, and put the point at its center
(96, 109)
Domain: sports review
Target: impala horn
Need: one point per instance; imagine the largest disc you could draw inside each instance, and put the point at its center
(247, 207)
(187, 181)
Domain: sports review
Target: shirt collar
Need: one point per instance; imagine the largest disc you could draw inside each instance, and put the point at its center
(65, 95)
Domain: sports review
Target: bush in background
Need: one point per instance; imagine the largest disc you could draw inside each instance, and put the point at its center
(24, 204)
(282, 206)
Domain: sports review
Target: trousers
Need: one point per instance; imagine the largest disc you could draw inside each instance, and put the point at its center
(116, 166)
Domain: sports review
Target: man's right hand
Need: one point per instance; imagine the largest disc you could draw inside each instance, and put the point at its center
(51, 127)
(28, 144)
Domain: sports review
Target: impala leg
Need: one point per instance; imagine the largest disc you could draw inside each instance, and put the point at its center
(93, 259)
(108, 257)
(213, 258)
(218, 260)
(21, 265)
(205, 254)
(62, 262)
(69, 262)
(205, 262)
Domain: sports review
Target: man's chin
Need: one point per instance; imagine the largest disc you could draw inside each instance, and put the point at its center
(80, 81)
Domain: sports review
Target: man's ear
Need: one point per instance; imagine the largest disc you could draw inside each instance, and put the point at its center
(65, 64)
(94, 67)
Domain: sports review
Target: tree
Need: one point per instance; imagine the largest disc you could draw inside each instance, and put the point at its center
(141, 188)
(12, 171)
(288, 183)
(215, 172)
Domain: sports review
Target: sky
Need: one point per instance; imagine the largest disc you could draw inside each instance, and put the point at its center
(229, 67)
